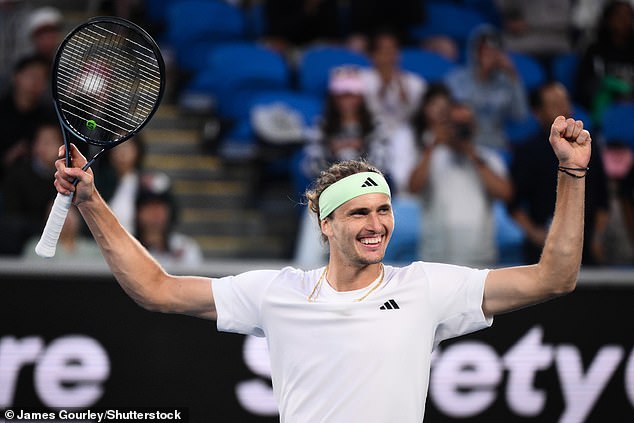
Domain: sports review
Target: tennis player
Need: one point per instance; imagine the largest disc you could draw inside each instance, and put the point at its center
(351, 342)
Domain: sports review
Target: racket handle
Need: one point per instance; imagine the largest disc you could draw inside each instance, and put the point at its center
(48, 242)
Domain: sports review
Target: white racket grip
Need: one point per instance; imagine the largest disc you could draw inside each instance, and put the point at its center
(48, 242)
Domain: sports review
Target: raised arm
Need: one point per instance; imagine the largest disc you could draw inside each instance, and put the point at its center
(140, 276)
(558, 268)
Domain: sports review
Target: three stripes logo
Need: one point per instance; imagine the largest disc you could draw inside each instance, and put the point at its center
(389, 305)
(369, 183)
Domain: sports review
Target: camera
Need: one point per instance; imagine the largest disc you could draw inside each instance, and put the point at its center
(463, 131)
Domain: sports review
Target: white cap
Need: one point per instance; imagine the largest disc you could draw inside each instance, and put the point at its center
(43, 17)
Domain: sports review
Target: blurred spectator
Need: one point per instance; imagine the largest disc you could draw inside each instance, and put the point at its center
(12, 17)
(618, 159)
(431, 122)
(489, 83)
(585, 16)
(606, 71)
(118, 179)
(392, 94)
(22, 109)
(458, 182)
(44, 31)
(348, 130)
(156, 215)
(365, 16)
(540, 28)
(429, 126)
(534, 172)
(298, 23)
(27, 186)
(72, 245)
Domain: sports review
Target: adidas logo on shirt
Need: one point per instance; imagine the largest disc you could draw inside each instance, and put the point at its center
(369, 183)
(389, 305)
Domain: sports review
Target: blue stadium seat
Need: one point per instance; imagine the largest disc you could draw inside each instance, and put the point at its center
(237, 71)
(429, 65)
(316, 63)
(192, 22)
(580, 113)
(155, 11)
(564, 70)
(519, 131)
(452, 20)
(529, 69)
(618, 123)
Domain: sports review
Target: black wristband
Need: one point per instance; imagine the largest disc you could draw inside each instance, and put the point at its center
(567, 171)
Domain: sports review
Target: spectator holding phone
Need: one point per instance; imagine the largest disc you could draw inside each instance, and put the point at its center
(458, 182)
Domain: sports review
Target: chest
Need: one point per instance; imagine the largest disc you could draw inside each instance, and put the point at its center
(379, 327)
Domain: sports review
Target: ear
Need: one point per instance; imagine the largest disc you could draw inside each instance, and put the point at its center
(326, 227)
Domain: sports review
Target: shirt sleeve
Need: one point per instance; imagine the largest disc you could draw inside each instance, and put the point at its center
(456, 295)
(239, 299)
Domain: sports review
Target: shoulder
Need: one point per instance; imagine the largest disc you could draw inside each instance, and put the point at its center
(414, 80)
(435, 274)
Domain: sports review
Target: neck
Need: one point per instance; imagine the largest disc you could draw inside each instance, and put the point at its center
(386, 73)
(344, 277)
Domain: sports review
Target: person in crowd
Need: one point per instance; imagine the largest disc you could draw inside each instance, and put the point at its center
(489, 83)
(44, 31)
(347, 130)
(430, 124)
(533, 205)
(540, 28)
(458, 181)
(119, 179)
(340, 334)
(22, 109)
(392, 93)
(585, 15)
(618, 160)
(12, 17)
(27, 189)
(606, 71)
(72, 244)
(156, 216)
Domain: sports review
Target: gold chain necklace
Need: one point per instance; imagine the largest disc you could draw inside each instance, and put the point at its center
(317, 288)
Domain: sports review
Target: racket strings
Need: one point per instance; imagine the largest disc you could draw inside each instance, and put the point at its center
(95, 81)
(108, 81)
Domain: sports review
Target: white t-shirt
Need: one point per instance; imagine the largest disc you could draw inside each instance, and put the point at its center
(386, 103)
(458, 225)
(337, 360)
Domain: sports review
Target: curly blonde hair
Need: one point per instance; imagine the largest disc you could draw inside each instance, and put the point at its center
(334, 173)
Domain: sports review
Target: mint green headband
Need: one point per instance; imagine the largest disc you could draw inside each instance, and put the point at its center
(351, 187)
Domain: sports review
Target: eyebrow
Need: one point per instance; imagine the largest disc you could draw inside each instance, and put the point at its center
(357, 210)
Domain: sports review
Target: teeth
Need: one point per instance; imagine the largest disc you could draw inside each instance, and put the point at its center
(368, 241)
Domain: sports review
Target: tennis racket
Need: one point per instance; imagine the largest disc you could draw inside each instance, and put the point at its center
(108, 80)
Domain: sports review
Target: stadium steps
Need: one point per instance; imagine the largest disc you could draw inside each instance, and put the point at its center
(215, 202)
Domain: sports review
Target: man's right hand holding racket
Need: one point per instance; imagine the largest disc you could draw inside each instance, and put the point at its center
(65, 176)
(140, 276)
